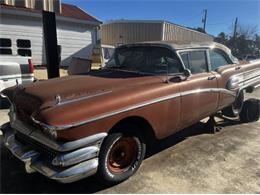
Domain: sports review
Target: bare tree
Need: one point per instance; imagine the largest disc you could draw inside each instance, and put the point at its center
(247, 31)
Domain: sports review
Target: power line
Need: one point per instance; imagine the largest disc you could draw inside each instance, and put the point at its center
(220, 23)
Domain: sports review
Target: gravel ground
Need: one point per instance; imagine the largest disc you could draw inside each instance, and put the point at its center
(191, 161)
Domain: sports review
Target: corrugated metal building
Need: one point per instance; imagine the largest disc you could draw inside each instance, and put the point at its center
(130, 31)
(21, 25)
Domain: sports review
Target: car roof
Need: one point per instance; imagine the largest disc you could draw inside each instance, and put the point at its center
(181, 46)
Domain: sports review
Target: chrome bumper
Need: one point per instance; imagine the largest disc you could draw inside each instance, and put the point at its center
(65, 167)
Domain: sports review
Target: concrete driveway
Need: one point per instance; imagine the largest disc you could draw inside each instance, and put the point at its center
(191, 161)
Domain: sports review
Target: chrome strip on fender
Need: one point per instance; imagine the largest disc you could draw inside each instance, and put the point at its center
(140, 105)
(82, 98)
(242, 80)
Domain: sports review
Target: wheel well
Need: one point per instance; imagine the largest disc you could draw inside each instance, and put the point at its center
(249, 89)
(146, 128)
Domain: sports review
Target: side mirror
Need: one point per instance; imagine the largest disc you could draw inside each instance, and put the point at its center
(187, 72)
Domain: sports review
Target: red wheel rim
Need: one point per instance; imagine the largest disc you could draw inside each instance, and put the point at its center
(122, 155)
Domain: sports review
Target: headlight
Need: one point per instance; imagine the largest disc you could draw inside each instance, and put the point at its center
(47, 129)
(50, 132)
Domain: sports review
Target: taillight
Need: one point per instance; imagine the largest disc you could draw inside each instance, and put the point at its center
(31, 66)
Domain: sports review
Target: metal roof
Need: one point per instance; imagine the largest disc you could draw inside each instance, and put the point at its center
(184, 46)
(152, 21)
(76, 12)
(67, 10)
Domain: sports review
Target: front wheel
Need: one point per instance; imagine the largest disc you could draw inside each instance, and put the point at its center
(120, 157)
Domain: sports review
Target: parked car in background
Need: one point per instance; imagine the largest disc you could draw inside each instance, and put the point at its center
(107, 52)
(72, 127)
(101, 55)
(15, 70)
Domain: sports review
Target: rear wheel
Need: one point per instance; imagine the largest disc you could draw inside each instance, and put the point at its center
(250, 111)
(234, 109)
(120, 156)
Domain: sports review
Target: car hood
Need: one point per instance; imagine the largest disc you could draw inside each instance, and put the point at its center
(36, 98)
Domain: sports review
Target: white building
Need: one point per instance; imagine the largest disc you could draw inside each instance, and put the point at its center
(21, 29)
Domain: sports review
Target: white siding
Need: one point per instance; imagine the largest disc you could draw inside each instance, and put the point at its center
(75, 39)
(20, 28)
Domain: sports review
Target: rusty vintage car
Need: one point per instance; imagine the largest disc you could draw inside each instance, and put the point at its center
(73, 127)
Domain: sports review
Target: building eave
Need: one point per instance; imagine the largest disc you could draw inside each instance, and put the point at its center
(39, 15)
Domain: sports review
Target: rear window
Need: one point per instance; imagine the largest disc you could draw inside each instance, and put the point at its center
(217, 59)
(196, 61)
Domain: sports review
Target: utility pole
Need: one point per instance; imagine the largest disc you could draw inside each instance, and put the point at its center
(235, 28)
(51, 47)
(204, 20)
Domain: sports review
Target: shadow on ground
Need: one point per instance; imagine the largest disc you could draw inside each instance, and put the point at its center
(15, 180)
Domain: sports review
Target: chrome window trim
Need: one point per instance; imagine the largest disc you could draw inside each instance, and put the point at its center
(139, 105)
(192, 50)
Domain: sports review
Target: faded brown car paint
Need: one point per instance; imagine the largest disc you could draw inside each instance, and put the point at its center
(71, 120)
(111, 90)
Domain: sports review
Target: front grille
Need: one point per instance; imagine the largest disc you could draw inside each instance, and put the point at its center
(44, 150)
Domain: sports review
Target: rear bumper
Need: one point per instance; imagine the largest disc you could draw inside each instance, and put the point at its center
(64, 167)
(27, 78)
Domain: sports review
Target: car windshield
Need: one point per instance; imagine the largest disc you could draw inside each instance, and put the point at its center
(145, 59)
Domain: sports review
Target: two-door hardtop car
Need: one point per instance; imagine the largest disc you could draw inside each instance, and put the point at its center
(72, 127)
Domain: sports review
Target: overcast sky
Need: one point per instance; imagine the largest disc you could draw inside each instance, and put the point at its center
(221, 13)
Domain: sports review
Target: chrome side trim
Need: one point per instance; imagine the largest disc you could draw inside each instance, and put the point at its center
(257, 86)
(209, 90)
(140, 105)
(62, 102)
(242, 80)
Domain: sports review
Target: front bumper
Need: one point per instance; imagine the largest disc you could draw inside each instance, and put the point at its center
(69, 164)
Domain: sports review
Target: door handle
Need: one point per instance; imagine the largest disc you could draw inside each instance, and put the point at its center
(211, 78)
